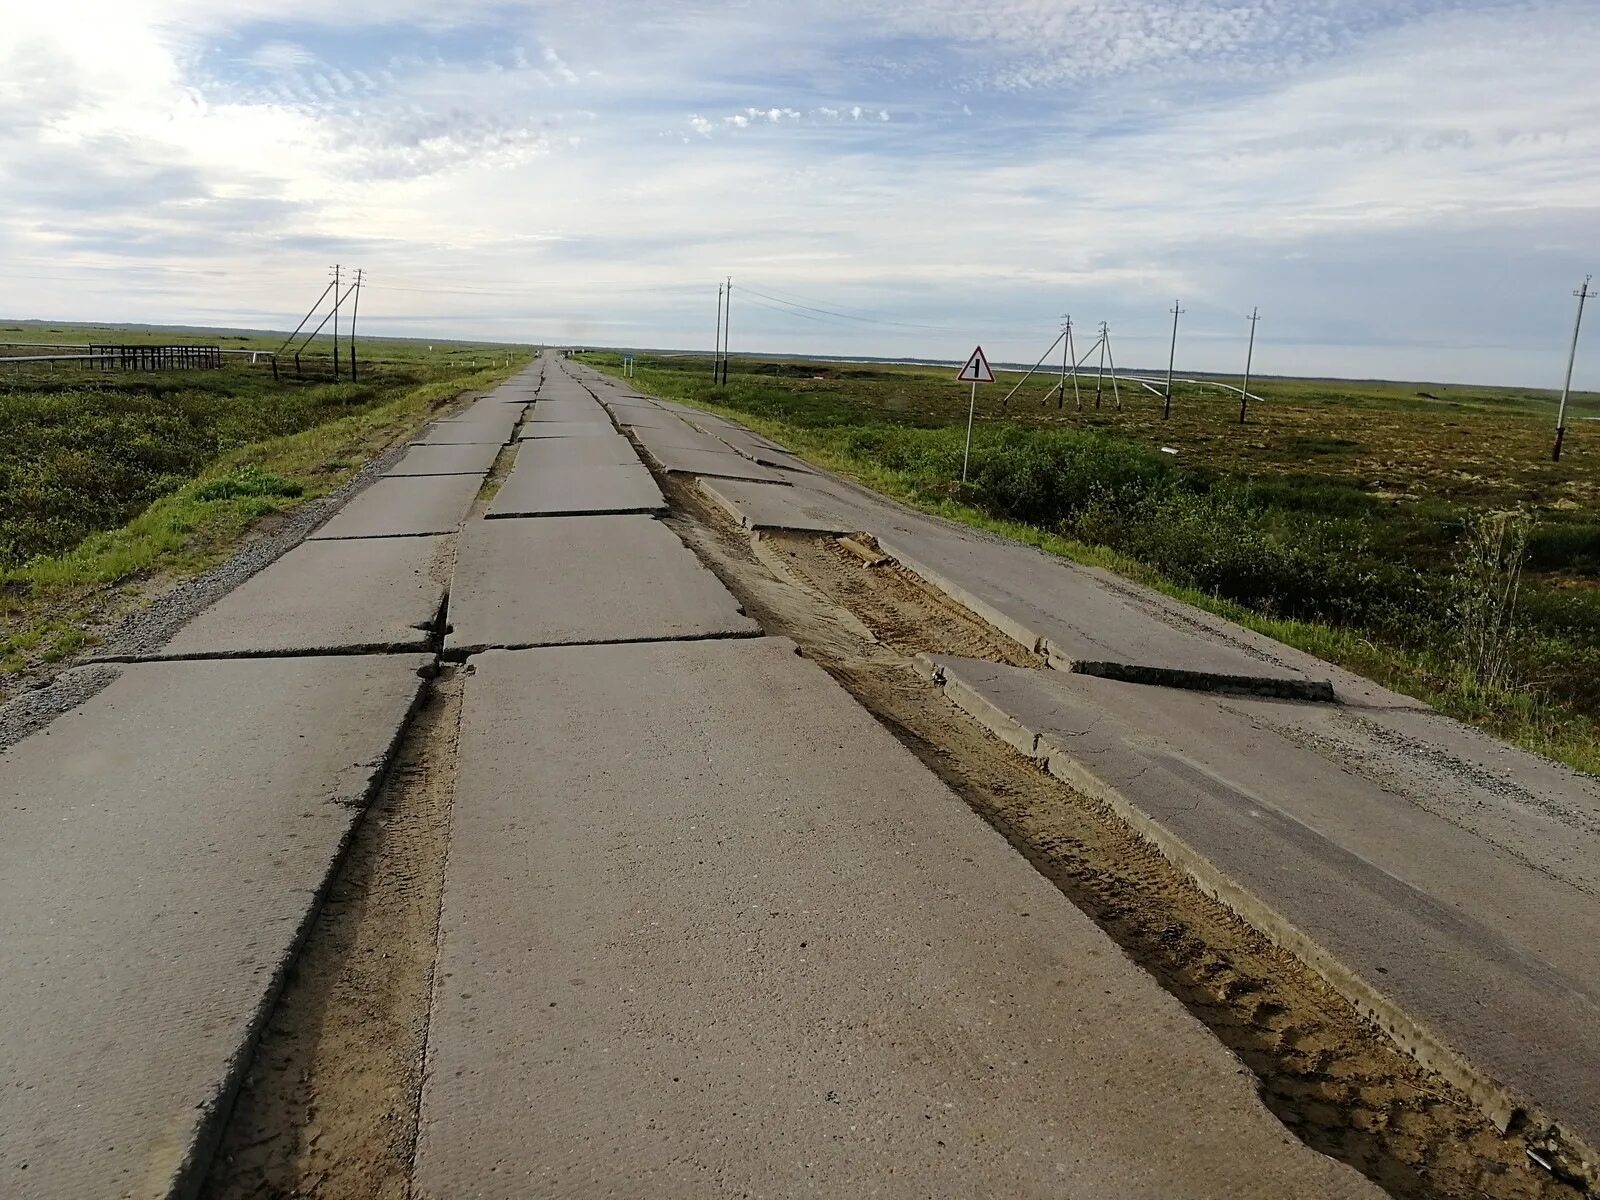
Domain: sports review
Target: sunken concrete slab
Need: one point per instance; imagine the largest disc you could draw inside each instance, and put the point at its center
(360, 595)
(577, 580)
(752, 445)
(162, 848)
(694, 889)
(679, 435)
(410, 506)
(770, 506)
(473, 458)
(614, 451)
(566, 429)
(542, 491)
(717, 464)
(1433, 894)
(647, 418)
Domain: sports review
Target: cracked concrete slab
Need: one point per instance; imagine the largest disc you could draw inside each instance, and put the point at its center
(1049, 605)
(162, 849)
(408, 506)
(586, 409)
(708, 925)
(621, 579)
(366, 594)
(771, 506)
(471, 458)
(719, 464)
(544, 491)
(1408, 876)
(614, 451)
(565, 429)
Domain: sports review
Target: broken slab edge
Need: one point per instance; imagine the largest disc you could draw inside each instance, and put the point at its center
(1280, 687)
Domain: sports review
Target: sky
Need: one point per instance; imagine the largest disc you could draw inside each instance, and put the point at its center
(1406, 188)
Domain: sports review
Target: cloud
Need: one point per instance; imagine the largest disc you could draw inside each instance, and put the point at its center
(985, 166)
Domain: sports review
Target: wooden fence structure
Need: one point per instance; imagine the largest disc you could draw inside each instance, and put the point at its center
(155, 358)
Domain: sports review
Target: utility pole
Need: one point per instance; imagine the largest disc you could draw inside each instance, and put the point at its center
(336, 320)
(1172, 357)
(355, 312)
(716, 355)
(1068, 355)
(727, 324)
(1100, 376)
(1249, 360)
(1583, 294)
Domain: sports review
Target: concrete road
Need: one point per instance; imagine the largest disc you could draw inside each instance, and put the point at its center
(710, 930)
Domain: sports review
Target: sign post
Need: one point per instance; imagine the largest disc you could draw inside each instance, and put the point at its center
(975, 372)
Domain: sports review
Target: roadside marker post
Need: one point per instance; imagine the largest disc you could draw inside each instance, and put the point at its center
(975, 372)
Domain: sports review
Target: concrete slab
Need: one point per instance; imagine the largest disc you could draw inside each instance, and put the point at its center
(718, 464)
(752, 445)
(162, 848)
(460, 433)
(710, 930)
(1409, 880)
(679, 435)
(363, 595)
(404, 507)
(1049, 605)
(448, 459)
(647, 418)
(621, 579)
(544, 491)
(565, 429)
(570, 410)
(770, 506)
(614, 451)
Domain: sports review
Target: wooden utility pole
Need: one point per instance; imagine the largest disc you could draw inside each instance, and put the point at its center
(1249, 361)
(336, 321)
(355, 312)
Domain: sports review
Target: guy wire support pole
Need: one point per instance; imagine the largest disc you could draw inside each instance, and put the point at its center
(1172, 357)
(336, 321)
(1583, 295)
(319, 328)
(1100, 375)
(716, 354)
(311, 312)
(1007, 401)
(354, 313)
(1066, 353)
(727, 326)
(1249, 360)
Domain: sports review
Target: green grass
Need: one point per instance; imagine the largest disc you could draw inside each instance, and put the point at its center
(109, 481)
(1332, 522)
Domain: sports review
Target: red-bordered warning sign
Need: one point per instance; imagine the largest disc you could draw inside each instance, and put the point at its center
(977, 369)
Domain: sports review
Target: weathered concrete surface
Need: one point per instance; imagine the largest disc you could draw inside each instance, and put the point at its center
(585, 409)
(465, 433)
(710, 930)
(473, 458)
(161, 850)
(614, 451)
(677, 435)
(770, 506)
(752, 445)
(544, 491)
(648, 418)
(575, 580)
(1048, 604)
(566, 429)
(368, 594)
(405, 507)
(1410, 876)
(718, 464)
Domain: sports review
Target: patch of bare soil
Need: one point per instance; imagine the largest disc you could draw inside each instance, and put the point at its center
(329, 1107)
(1332, 1077)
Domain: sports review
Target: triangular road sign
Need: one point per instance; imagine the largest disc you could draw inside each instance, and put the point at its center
(977, 369)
